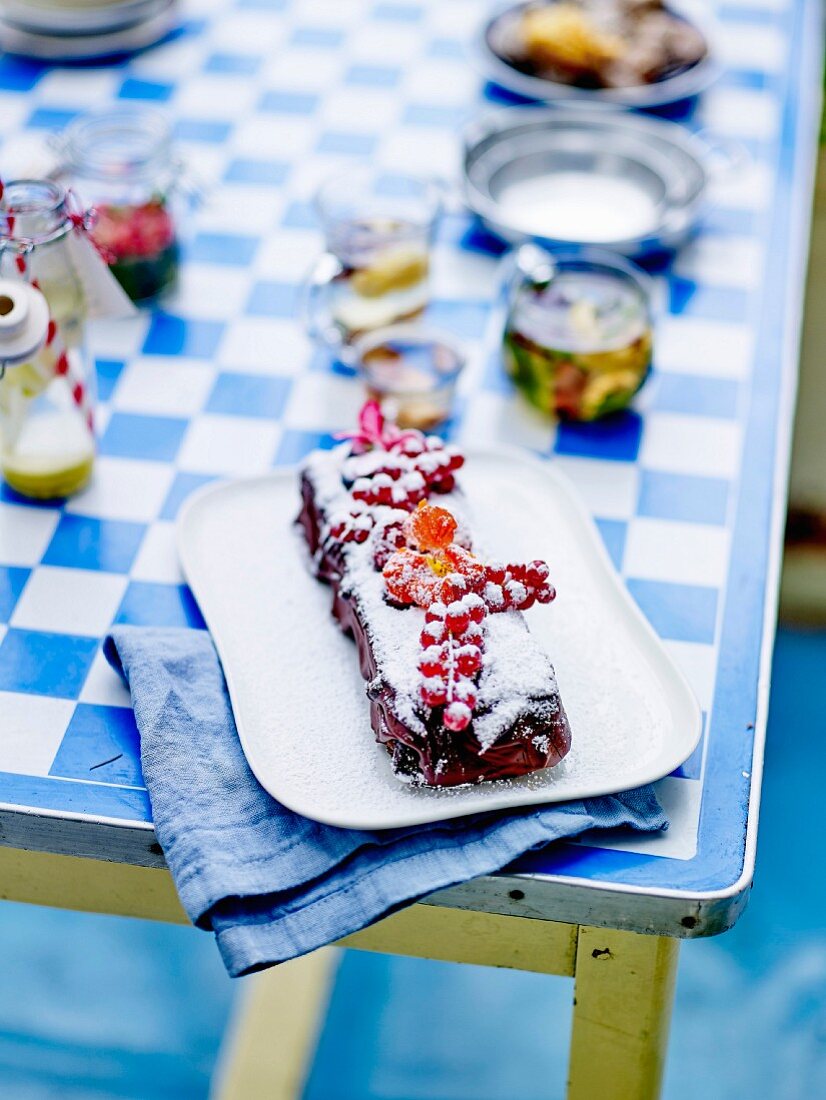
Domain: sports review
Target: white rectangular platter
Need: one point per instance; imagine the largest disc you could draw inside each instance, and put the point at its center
(293, 678)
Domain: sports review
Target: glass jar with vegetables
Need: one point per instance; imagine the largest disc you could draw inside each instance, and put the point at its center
(121, 162)
(578, 334)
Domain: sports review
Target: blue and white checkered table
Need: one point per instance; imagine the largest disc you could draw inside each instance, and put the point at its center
(688, 490)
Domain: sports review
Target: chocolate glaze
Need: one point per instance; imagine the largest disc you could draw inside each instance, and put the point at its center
(539, 738)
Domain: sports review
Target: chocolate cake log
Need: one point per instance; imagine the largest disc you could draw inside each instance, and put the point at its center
(518, 723)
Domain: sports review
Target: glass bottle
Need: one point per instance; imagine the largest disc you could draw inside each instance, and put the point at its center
(47, 443)
(120, 161)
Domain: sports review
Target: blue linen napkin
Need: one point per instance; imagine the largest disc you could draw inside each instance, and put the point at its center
(269, 883)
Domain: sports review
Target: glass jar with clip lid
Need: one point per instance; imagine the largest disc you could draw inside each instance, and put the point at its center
(47, 445)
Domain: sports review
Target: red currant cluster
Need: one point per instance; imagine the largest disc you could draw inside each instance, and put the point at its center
(517, 586)
(355, 527)
(453, 642)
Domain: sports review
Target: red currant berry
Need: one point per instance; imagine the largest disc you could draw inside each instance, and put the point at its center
(495, 573)
(361, 534)
(457, 717)
(475, 607)
(445, 484)
(433, 693)
(474, 635)
(527, 603)
(431, 662)
(435, 613)
(457, 619)
(545, 594)
(434, 633)
(469, 660)
(536, 573)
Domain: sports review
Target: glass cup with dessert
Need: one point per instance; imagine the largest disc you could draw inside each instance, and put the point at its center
(578, 334)
(378, 229)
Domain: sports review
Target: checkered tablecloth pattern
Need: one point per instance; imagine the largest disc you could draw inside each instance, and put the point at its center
(269, 97)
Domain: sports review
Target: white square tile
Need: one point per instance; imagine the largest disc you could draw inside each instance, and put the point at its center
(33, 728)
(268, 136)
(741, 113)
(287, 255)
(718, 349)
(722, 261)
(69, 601)
(25, 533)
(323, 402)
(608, 489)
(360, 110)
(698, 663)
(215, 97)
(749, 187)
(229, 445)
(491, 419)
(685, 553)
(258, 345)
(118, 339)
(441, 83)
(157, 559)
(456, 274)
(103, 686)
(165, 385)
(243, 208)
(690, 445)
(752, 46)
(214, 292)
(124, 488)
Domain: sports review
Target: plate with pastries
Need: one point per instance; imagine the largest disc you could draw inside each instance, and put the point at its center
(622, 53)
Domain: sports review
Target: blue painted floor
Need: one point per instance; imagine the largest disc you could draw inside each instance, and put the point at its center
(95, 1007)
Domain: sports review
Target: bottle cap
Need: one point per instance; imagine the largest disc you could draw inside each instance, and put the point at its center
(24, 321)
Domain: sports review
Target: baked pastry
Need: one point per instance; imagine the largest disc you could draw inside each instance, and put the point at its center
(459, 690)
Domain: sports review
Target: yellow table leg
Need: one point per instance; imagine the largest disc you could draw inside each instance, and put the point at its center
(623, 993)
(269, 1048)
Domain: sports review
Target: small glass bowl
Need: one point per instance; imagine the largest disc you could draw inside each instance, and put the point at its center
(412, 372)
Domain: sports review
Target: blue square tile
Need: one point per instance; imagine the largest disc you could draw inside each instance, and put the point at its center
(148, 90)
(108, 373)
(695, 395)
(156, 438)
(223, 248)
(169, 335)
(38, 663)
(614, 532)
(296, 445)
(681, 497)
(679, 612)
(327, 38)
(245, 170)
(616, 438)
(148, 604)
(398, 13)
(183, 485)
(202, 129)
(253, 395)
(350, 145)
(300, 215)
(19, 74)
(289, 103)
(12, 582)
(273, 299)
(233, 64)
(373, 76)
(50, 118)
(712, 303)
(101, 744)
(427, 114)
(466, 320)
(472, 236)
(446, 47)
(82, 542)
(495, 378)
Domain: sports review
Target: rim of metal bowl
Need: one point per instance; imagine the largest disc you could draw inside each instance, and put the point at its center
(687, 84)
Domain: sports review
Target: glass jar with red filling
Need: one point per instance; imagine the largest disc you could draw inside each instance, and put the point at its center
(120, 161)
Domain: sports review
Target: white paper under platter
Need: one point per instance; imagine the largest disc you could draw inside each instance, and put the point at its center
(299, 699)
